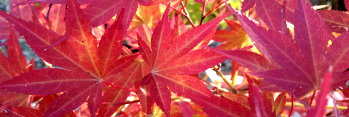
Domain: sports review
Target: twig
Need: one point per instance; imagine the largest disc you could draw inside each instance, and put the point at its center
(48, 11)
(216, 69)
(297, 104)
(208, 13)
(213, 86)
(203, 12)
(312, 97)
(186, 15)
(289, 115)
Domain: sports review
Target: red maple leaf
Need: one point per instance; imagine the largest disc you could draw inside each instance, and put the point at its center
(13, 65)
(173, 60)
(298, 63)
(85, 64)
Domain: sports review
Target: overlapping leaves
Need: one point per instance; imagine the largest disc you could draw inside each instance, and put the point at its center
(297, 63)
(85, 64)
(97, 71)
(172, 60)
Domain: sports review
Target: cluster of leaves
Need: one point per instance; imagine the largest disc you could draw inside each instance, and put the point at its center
(138, 57)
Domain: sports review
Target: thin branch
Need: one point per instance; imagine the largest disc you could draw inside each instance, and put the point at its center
(213, 86)
(297, 104)
(208, 13)
(216, 69)
(203, 12)
(185, 5)
(219, 5)
(214, 4)
(48, 11)
(312, 97)
(186, 14)
(291, 110)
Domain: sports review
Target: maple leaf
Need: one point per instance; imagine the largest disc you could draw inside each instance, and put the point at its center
(96, 73)
(300, 61)
(24, 12)
(148, 15)
(172, 60)
(272, 14)
(258, 100)
(126, 79)
(54, 1)
(104, 10)
(336, 20)
(56, 18)
(247, 4)
(85, 64)
(234, 38)
(19, 112)
(279, 104)
(346, 2)
(15, 62)
(185, 108)
(146, 100)
(10, 66)
(321, 101)
(272, 11)
(3, 28)
(100, 11)
(218, 106)
(250, 60)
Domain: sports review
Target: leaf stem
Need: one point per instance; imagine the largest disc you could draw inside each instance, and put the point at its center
(186, 14)
(213, 86)
(203, 12)
(216, 69)
(312, 97)
(208, 13)
(297, 104)
(48, 12)
(289, 115)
